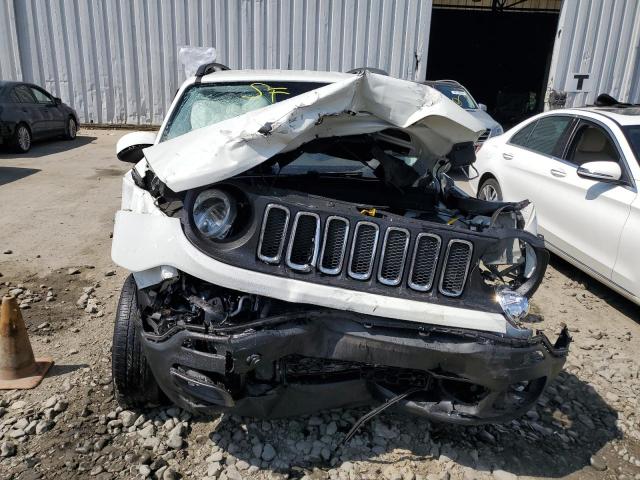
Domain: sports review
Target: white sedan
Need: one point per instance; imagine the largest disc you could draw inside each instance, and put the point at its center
(581, 169)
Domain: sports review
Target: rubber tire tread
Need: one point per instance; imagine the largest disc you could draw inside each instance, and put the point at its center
(494, 183)
(14, 145)
(133, 382)
(67, 136)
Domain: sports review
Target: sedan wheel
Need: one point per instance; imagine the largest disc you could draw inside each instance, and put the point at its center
(23, 139)
(490, 191)
(72, 129)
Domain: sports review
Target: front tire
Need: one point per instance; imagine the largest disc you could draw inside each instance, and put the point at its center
(490, 190)
(22, 139)
(133, 382)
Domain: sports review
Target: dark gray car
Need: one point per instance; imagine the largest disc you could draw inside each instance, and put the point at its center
(28, 112)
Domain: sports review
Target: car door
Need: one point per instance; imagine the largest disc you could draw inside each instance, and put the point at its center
(31, 111)
(626, 271)
(586, 218)
(528, 163)
(54, 122)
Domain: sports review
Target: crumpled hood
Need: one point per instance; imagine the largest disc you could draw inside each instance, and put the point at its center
(362, 104)
(484, 118)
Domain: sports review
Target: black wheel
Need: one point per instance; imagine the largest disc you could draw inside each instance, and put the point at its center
(490, 190)
(133, 382)
(71, 129)
(22, 139)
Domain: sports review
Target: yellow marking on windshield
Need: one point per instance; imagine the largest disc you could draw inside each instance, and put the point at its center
(272, 91)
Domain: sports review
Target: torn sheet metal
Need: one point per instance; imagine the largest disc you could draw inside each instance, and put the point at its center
(362, 104)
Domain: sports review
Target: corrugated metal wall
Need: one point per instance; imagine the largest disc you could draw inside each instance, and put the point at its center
(116, 61)
(600, 38)
(9, 53)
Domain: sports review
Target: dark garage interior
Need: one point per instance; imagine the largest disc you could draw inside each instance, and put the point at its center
(502, 57)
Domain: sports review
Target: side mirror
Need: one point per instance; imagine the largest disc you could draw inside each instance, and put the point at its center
(57, 101)
(482, 107)
(129, 148)
(604, 171)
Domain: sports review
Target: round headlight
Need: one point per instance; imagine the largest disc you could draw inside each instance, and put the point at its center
(213, 213)
(514, 305)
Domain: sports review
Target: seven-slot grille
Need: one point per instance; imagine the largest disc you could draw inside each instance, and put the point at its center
(456, 267)
(311, 244)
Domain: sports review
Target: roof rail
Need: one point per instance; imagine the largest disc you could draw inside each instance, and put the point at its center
(207, 68)
(361, 70)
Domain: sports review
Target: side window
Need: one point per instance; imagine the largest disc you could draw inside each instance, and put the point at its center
(592, 143)
(547, 133)
(12, 96)
(24, 94)
(41, 97)
(521, 137)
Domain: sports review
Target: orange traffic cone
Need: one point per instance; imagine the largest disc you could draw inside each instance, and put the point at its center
(18, 368)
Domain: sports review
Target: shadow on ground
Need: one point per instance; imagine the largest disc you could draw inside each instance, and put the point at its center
(11, 174)
(615, 300)
(48, 147)
(58, 369)
(572, 423)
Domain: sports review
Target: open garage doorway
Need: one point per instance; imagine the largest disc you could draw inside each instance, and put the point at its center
(500, 50)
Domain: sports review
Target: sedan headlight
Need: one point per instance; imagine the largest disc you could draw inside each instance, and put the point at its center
(214, 212)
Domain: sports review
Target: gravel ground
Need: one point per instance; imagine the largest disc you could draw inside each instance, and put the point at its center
(56, 219)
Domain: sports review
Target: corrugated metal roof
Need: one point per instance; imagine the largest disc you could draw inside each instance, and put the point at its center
(116, 61)
(601, 39)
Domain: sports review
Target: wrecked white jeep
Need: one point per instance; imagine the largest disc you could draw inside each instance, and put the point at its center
(296, 245)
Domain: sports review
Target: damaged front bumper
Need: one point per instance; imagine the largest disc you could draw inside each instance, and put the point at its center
(298, 363)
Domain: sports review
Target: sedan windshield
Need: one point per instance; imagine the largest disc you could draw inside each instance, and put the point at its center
(633, 135)
(457, 94)
(202, 105)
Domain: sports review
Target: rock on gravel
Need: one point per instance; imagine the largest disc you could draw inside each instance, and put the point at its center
(44, 426)
(170, 474)
(18, 405)
(7, 449)
(598, 464)
(128, 418)
(268, 453)
(214, 469)
(502, 475)
(175, 442)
